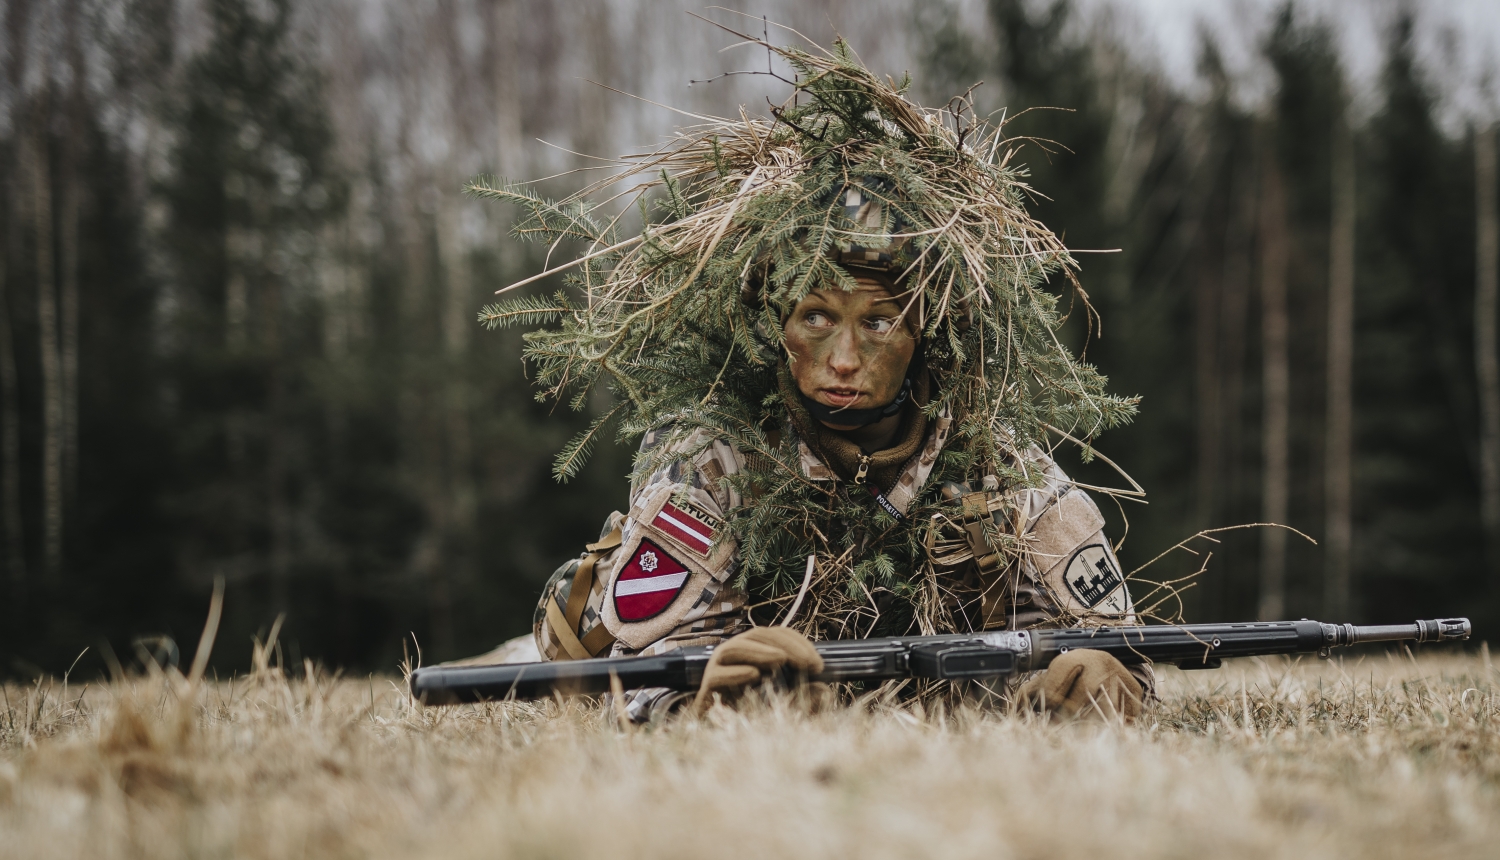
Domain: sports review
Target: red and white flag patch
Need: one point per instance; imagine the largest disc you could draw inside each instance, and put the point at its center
(648, 583)
(688, 525)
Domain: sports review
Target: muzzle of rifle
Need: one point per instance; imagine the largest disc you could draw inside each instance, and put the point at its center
(1439, 630)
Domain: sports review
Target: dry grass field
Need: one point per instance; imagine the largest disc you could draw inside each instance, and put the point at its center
(1383, 756)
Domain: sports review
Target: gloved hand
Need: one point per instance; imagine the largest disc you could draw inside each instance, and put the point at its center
(1081, 679)
(747, 658)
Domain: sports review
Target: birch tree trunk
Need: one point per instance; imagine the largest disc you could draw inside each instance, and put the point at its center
(236, 291)
(68, 252)
(51, 365)
(1486, 362)
(68, 240)
(1209, 385)
(278, 511)
(1208, 381)
(510, 147)
(1275, 389)
(462, 505)
(420, 401)
(1338, 458)
(237, 254)
(1234, 323)
(13, 197)
(505, 45)
(10, 433)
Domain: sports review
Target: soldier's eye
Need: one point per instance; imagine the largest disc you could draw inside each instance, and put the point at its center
(880, 325)
(816, 319)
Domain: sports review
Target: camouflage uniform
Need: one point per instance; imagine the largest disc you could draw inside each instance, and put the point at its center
(668, 582)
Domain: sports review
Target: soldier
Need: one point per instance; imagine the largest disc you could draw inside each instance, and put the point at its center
(866, 407)
(853, 398)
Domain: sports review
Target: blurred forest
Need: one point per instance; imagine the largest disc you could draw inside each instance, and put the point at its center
(238, 286)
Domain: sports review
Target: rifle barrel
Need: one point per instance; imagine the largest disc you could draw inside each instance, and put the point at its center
(453, 685)
(954, 656)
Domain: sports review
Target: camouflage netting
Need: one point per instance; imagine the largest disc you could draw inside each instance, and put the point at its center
(682, 323)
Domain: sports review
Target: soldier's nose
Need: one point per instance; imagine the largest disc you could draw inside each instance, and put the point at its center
(844, 358)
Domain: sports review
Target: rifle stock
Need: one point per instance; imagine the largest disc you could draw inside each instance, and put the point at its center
(954, 656)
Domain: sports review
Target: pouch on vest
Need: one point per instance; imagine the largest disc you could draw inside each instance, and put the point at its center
(568, 623)
(977, 534)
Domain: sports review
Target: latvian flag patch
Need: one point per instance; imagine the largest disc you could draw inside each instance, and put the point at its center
(688, 525)
(648, 583)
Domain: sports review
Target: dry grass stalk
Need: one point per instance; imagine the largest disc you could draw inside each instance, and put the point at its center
(1380, 756)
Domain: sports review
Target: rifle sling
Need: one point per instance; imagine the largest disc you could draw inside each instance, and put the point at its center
(598, 639)
(567, 620)
(566, 637)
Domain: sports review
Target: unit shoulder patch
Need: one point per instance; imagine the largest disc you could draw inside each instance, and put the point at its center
(1092, 575)
(648, 583)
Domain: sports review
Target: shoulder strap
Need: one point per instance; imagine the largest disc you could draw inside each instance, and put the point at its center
(565, 622)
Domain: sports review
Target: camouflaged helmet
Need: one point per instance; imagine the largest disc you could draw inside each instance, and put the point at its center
(875, 240)
(881, 243)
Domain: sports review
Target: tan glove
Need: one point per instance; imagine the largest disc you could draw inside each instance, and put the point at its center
(747, 658)
(1081, 679)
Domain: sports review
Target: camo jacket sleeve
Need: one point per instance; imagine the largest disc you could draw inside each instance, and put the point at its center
(671, 583)
(1069, 575)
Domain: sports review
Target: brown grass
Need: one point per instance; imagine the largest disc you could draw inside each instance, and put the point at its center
(1380, 757)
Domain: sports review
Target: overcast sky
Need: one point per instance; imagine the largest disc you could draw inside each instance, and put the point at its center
(1459, 39)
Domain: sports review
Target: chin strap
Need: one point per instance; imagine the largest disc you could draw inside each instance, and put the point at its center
(857, 417)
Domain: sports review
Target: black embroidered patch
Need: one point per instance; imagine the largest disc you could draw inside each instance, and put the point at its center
(1092, 575)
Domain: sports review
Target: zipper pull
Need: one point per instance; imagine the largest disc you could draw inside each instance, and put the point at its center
(864, 469)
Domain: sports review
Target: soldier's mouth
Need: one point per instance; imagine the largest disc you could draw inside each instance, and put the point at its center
(839, 398)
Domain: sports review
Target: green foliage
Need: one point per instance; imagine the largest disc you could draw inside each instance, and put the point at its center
(526, 311)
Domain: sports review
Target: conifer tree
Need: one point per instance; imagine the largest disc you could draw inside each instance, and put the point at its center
(1219, 271)
(105, 427)
(252, 185)
(1416, 463)
(1300, 124)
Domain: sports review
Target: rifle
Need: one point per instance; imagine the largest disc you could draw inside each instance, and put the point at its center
(953, 656)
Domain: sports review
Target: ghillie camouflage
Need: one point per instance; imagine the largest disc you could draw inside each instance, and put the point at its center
(681, 324)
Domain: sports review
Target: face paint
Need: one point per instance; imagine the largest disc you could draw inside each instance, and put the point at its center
(850, 350)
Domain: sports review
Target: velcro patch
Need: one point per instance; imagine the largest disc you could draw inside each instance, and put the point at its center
(648, 583)
(688, 525)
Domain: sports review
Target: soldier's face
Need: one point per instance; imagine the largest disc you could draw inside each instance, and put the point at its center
(850, 350)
